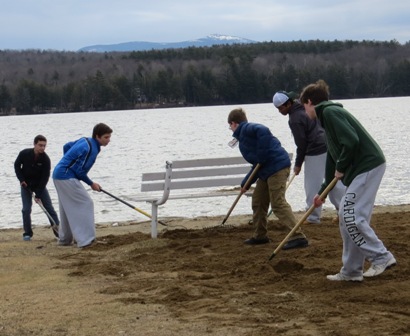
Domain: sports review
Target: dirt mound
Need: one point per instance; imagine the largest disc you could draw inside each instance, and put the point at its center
(209, 277)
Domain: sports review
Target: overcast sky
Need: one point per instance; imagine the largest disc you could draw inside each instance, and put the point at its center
(73, 24)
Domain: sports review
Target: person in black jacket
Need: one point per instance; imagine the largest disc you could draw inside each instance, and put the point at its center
(310, 140)
(32, 168)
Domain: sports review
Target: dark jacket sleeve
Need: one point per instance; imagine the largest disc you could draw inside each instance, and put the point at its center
(45, 175)
(255, 178)
(299, 134)
(18, 167)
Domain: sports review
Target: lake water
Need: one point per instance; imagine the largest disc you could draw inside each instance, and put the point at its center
(144, 139)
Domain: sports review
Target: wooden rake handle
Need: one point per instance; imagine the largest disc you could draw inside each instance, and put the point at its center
(306, 215)
(131, 206)
(290, 181)
(246, 187)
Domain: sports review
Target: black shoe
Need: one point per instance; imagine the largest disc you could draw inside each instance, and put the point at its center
(55, 230)
(296, 243)
(257, 241)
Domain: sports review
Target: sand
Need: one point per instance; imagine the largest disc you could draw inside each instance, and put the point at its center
(196, 279)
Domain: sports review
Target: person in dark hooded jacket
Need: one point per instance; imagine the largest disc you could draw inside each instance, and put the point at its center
(310, 141)
(258, 146)
(356, 159)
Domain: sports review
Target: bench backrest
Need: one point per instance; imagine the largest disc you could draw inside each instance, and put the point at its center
(200, 173)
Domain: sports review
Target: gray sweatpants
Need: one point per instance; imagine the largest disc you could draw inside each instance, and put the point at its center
(360, 242)
(76, 212)
(314, 175)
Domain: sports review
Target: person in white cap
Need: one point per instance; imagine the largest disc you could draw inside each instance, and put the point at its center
(310, 140)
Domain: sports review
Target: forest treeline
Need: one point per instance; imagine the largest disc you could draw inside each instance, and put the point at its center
(46, 81)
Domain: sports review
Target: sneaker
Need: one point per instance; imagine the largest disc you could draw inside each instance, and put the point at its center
(55, 230)
(379, 269)
(26, 238)
(63, 243)
(296, 243)
(93, 242)
(342, 277)
(256, 241)
(306, 222)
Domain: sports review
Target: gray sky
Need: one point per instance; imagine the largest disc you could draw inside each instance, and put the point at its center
(73, 24)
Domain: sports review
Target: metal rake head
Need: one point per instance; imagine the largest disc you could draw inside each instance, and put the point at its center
(218, 227)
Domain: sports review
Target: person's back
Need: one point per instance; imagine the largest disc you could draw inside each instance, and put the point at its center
(258, 145)
(359, 146)
(79, 156)
(309, 136)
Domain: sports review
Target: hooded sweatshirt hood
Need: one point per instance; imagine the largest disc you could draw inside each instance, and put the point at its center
(351, 149)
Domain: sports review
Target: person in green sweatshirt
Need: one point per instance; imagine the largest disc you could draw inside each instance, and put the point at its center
(356, 159)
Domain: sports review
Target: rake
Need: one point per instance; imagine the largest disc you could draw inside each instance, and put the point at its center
(54, 225)
(245, 187)
(271, 211)
(131, 206)
(306, 215)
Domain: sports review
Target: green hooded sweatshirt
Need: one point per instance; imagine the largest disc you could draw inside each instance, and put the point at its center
(351, 150)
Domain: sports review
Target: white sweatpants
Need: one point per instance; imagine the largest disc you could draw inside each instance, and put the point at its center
(76, 212)
(314, 175)
(360, 242)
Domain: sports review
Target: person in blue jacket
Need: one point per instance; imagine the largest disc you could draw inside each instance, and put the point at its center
(258, 146)
(76, 206)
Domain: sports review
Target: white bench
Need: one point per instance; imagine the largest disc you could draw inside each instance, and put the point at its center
(213, 177)
(203, 178)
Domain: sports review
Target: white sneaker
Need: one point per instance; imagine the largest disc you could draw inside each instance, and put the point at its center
(342, 277)
(379, 269)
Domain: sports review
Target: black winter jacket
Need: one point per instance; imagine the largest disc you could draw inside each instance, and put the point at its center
(34, 171)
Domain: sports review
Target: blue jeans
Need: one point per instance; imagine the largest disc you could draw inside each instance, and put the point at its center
(27, 199)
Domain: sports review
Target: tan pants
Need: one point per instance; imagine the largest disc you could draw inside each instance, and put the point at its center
(272, 192)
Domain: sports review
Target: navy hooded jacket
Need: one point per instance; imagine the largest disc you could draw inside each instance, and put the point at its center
(258, 145)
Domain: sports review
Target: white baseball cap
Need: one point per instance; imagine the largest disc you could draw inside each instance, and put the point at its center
(280, 98)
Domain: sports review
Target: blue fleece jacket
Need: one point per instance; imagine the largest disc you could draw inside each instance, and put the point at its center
(79, 157)
(258, 145)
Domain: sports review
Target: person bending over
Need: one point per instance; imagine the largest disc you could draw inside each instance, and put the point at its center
(310, 141)
(258, 146)
(356, 159)
(76, 205)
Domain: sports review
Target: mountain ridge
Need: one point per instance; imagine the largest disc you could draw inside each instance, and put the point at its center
(208, 41)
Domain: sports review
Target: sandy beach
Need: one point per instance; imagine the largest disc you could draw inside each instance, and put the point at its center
(198, 279)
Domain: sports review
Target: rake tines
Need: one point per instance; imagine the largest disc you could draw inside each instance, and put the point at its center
(219, 227)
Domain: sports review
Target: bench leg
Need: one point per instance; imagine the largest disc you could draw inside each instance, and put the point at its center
(154, 220)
